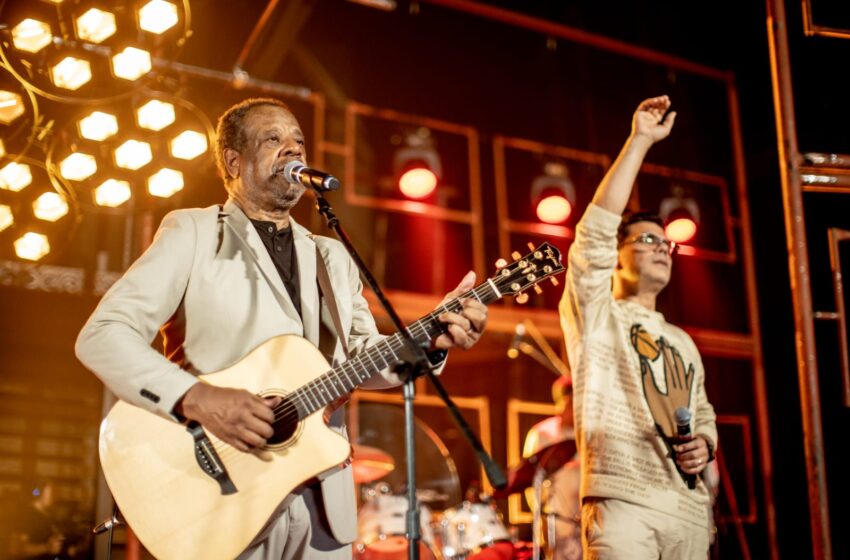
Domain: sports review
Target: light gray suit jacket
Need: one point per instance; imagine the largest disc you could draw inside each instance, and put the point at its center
(209, 282)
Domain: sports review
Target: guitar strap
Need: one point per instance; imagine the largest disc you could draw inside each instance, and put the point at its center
(326, 292)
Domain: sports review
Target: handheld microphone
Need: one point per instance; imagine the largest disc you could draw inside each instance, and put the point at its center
(519, 334)
(682, 416)
(109, 524)
(299, 174)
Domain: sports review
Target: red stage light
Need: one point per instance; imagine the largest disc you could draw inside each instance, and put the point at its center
(554, 208)
(681, 230)
(417, 182)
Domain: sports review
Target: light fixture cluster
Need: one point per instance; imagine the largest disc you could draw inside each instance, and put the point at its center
(120, 149)
(73, 44)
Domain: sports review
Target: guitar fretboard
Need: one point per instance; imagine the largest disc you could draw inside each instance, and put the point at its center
(352, 373)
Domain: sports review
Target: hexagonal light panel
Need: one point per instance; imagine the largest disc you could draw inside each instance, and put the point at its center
(71, 73)
(155, 115)
(31, 35)
(165, 182)
(11, 106)
(6, 217)
(158, 16)
(98, 126)
(188, 144)
(50, 206)
(133, 154)
(95, 25)
(78, 166)
(112, 193)
(15, 176)
(131, 63)
(32, 246)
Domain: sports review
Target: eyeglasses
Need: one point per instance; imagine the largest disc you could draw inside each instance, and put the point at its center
(652, 241)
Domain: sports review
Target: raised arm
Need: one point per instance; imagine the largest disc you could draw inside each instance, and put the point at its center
(647, 129)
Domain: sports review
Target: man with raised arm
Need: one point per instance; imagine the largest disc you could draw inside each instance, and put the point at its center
(641, 494)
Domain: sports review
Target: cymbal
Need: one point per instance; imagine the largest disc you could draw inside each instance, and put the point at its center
(550, 459)
(370, 463)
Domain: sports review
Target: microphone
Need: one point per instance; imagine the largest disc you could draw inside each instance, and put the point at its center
(299, 174)
(682, 416)
(519, 334)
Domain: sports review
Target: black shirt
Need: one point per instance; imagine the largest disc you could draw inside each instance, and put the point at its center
(281, 248)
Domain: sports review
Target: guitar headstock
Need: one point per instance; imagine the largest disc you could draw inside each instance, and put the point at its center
(544, 261)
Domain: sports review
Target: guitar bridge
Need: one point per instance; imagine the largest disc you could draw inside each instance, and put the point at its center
(208, 459)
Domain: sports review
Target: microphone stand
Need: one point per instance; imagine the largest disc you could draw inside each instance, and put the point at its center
(413, 361)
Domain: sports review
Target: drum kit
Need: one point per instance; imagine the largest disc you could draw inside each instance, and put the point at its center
(473, 529)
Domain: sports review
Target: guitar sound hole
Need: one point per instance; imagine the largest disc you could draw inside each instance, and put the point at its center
(286, 425)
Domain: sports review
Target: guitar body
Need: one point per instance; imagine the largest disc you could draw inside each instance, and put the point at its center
(176, 509)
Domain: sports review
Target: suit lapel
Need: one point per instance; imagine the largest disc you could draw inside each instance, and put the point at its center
(239, 226)
(305, 249)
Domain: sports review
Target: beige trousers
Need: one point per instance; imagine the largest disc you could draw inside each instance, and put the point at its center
(298, 531)
(614, 529)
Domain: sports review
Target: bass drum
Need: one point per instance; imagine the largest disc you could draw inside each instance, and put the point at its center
(381, 528)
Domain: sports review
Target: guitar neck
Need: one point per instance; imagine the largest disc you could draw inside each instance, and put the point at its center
(352, 373)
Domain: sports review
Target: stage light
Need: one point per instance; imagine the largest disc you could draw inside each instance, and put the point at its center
(50, 206)
(112, 193)
(155, 115)
(31, 35)
(11, 106)
(15, 176)
(71, 73)
(680, 215)
(133, 154)
(96, 25)
(32, 246)
(78, 166)
(417, 165)
(131, 63)
(188, 145)
(158, 16)
(2, 148)
(6, 217)
(98, 126)
(553, 194)
(165, 182)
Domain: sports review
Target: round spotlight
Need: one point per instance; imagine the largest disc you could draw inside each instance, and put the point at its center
(31, 35)
(32, 246)
(96, 26)
(165, 182)
(71, 73)
(131, 63)
(112, 193)
(15, 176)
(155, 115)
(6, 217)
(98, 126)
(417, 183)
(188, 145)
(554, 208)
(681, 230)
(133, 154)
(49, 207)
(158, 16)
(11, 106)
(78, 166)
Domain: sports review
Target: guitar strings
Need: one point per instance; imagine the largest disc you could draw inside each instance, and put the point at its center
(288, 410)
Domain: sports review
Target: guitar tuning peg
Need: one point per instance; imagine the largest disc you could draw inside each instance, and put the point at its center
(531, 246)
(516, 255)
(501, 263)
(538, 290)
(553, 280)
(521, 298)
